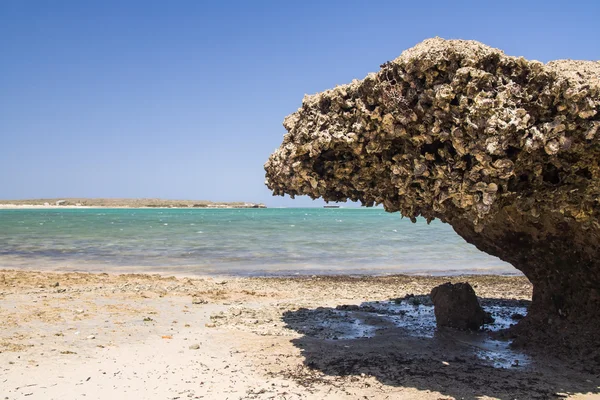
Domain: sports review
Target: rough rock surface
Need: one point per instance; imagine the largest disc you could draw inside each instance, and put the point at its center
(456, 306)
(504, 149)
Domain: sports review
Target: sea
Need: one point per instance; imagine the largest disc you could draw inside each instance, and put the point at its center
(243, 242)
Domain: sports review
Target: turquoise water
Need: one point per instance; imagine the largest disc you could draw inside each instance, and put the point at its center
(236, 241)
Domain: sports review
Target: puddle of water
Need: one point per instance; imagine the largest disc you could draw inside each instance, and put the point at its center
(504, 316)
(416, 317)
(500, 355)
(326, 323)
(344, 326)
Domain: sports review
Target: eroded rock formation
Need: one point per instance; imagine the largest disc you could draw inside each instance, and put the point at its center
(504, 149)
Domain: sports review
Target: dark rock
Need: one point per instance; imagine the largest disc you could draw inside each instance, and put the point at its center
(503, 149)
(456, 306)
(415, 300)
(348, 307)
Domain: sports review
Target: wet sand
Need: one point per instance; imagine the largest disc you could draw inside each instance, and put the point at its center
(100, 336)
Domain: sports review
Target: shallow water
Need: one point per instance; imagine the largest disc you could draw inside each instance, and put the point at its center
(236, 241)
(415, 319)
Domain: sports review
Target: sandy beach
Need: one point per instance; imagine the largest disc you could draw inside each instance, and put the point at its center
(98, 336)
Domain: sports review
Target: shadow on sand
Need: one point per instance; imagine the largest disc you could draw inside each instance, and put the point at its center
(397, 342)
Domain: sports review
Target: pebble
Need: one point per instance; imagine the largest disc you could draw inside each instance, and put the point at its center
(194, 347)
(91, 337)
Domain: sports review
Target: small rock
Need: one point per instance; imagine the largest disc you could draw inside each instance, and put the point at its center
(347, 307)
(91, 337)
(56, 284)
(456, 306)
(194, 347)
(198, 300)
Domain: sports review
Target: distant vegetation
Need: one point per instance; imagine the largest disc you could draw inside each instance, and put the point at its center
(134, 203)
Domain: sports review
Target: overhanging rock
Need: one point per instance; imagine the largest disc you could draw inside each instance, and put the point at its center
(504, 149)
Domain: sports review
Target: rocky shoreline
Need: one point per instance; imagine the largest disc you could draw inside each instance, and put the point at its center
(338, 337)
(503, 149)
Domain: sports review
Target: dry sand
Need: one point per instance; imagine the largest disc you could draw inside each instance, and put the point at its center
(100, 336)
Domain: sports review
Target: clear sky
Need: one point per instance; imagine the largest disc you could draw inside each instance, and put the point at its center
(185, 99)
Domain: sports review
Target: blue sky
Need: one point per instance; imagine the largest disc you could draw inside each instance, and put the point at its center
(185, 99)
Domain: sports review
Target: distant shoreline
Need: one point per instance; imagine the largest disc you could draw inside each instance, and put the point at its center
(55, 207)
(69, 203)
